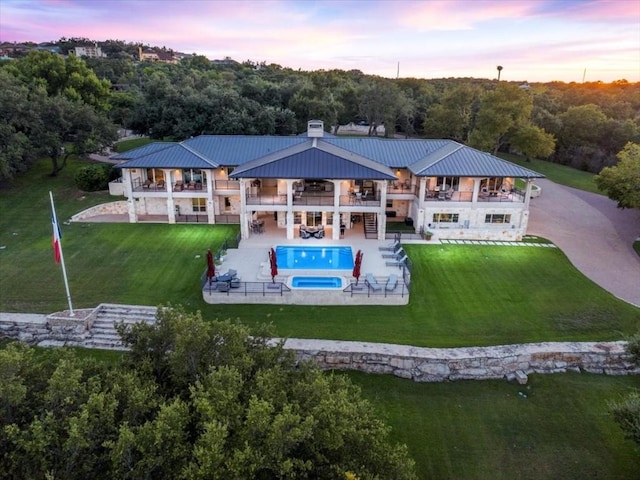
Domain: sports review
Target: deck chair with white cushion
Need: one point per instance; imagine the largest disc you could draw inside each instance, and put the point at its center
(370, 280)
(395, 255)
(393, 246)
(397, 263)
(392, 282)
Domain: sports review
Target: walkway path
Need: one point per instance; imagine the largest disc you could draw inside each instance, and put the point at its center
(594, 234)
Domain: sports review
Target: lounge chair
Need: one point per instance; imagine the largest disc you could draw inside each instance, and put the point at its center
(397, 263)
(393, 246)
(396, 255)
(304, 234)
(392, 282)
(370, 280)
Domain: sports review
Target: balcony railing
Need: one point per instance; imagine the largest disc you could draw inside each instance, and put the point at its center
(515, 196)
(227, 185)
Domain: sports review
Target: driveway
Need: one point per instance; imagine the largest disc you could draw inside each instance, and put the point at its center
(593, 233)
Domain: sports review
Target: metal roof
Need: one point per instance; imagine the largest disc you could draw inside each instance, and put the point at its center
(174, 156)
(313, 159)
(234, 150)
(314, 163)
(142, 151)
(336, 157)
(463, 161)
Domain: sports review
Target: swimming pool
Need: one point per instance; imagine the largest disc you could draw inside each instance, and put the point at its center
(303, 257)
(316, 282)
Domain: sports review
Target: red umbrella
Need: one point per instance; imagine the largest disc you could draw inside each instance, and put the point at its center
(274, 265)
(211, 267)
(356, 266)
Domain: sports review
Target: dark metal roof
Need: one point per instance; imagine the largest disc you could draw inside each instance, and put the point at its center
(142, 151)
(393, 153)
(174, 156)
(336, 157)
(462, 161)
(234, 150)
(314, 163)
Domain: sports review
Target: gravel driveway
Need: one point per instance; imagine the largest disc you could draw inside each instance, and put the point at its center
(593, 233)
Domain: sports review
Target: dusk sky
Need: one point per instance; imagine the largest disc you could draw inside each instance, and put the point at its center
(534, 40)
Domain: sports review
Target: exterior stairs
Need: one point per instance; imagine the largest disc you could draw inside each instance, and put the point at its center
(370, 225)
(103, 334)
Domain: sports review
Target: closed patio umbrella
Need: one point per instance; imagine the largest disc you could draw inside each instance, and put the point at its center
(211, 267)
(356, 266)
(274, 264)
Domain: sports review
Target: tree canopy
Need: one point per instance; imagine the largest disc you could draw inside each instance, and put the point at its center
(192, 400)
(621, 182)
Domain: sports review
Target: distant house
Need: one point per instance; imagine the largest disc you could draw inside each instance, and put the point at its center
(14, 49)
(320, 179)
(91, 51)
(148, 55)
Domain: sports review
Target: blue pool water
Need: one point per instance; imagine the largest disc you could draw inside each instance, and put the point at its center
(316, 282)
(302, 257)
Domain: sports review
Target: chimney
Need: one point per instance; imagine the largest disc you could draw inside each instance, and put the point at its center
(315, 128)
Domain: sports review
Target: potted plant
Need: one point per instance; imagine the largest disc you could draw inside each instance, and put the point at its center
(428, 235)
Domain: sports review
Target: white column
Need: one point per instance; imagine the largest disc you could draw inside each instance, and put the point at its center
(171, 209)
(422, 190)
(474, 195)
(244, 217)
(335, 224)
(289, 212)
(382, 212)
(209, 177)
(128, 191)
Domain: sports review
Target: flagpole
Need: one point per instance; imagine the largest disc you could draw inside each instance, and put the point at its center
(64, 269)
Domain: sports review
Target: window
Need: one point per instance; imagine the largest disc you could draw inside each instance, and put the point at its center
(199, 204)
(445, 218)
(227, 204)
(451, 182)
(389, 203)
(497, 218)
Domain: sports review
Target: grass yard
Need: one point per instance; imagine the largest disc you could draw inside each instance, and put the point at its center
(486, 430)
(461, 295)
(557, 173)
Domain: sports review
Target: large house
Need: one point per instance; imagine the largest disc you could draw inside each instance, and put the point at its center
(317, 179)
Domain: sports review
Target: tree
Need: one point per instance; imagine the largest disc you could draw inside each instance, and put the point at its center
(626, 411)
(69, 77)
(501, 112)
(533, 141)
(191, 400)
(621, 182)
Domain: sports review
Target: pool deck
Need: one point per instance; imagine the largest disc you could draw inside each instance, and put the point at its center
(251, 262)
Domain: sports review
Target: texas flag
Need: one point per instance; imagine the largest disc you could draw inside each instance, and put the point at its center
(57, 235)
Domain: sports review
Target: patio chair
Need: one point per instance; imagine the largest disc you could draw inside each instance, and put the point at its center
(373, 284)
(304, 234)
(392, 282)
(397, 254)
(397, 263)
(392, 246)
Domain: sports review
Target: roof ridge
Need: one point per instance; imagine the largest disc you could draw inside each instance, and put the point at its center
(198, 154)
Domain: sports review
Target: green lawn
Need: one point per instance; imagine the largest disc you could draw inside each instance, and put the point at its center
(486, 430)
(461, 295)
(557, 173)
(127, 145)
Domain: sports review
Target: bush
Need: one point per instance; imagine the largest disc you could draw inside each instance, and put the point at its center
(94, 177)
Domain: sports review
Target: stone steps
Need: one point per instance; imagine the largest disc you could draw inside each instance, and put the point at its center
(103, 334)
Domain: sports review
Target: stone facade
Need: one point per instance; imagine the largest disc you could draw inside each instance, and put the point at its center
(111, 208)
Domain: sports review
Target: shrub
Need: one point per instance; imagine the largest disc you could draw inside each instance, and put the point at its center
(94, 177)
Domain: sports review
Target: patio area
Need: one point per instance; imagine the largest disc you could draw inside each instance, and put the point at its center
(251, 262)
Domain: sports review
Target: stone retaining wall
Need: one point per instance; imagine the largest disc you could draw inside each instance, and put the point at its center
(111, 208)
(414, 363)
(445, 364)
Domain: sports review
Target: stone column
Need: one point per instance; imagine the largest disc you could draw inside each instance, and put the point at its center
(382, 209)
(128, 191)
(209, 178)
(289, 212)
(244, 215)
